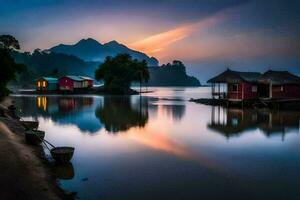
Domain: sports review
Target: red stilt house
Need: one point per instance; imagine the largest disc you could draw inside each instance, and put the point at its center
(279, 85)
(234, 85)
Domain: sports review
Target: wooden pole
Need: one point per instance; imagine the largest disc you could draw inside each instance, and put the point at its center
(213, 90)
(270, 88)
(219, 90)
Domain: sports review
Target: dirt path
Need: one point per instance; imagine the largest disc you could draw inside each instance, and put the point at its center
(23, 175)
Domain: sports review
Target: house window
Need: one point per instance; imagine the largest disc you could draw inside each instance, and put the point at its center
(254, 88)
(281, 88)
(234, 87)
(44, 83)
(39, 84)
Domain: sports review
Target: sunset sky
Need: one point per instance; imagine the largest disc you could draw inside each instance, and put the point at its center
(207, 35)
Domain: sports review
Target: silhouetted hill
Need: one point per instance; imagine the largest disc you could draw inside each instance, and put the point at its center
(47, 63)
(91, 50)
(42, 63)
(171, 75)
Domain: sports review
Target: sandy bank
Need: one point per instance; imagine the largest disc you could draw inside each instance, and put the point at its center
(24, 175)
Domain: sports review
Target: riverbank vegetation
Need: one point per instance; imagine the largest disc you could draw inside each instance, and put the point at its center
(9, 68)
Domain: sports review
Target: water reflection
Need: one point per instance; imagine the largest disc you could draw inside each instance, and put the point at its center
(234, 122)
(121, 113)
(63, 110)
(176, 112)
(173, 108)
(174, 146)
(64, 172)
(90, 114)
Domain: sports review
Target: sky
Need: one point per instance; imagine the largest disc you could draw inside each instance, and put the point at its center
(207, 35)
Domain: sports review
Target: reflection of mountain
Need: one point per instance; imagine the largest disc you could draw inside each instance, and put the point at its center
(77, 111)
(233, 122)
(121, 113)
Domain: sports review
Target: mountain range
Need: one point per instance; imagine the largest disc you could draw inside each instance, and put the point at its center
(83, 58)
(91, 50)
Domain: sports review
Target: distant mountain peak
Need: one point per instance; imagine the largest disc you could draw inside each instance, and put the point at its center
(88, 41)
(112, 42)
(91, 50)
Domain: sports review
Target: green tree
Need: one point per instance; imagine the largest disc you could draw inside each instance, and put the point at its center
(8, 67)
(119, 72)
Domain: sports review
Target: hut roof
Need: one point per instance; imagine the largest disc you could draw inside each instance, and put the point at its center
(48, 79)
(230, 76)
(75, 78)
(86, 78)
(279, 78)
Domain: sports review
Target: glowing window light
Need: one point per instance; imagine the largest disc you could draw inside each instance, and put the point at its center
(44, 83)
(39, 102)
(44, 103)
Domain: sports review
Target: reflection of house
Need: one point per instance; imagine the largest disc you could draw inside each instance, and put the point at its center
(46, 104)
(66, 104)
(42, 102)
(71, 83)
(232, 122)
(48, 108)
(279, 85)
(235, 85)
(46, 84)
(238, 86)
(87, 102)
(278, 122)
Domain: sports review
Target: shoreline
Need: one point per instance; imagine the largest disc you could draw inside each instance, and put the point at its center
(278, 104)
(25, 171)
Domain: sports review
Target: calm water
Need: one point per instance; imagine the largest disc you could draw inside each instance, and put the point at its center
(160, 146)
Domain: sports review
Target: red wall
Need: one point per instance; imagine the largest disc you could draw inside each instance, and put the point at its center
(244, 92)
(66, 83)
(90, 83)
(289, 91)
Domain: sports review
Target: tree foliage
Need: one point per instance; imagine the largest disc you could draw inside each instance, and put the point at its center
(8, 67)
(119, 72)
(45, 63)
(172, 74)
(9, 42)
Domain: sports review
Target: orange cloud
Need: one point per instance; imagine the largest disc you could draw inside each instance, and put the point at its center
(159, 42)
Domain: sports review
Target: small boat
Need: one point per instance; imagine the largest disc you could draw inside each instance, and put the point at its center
(34, 137)
(30, 124)
(62, 155)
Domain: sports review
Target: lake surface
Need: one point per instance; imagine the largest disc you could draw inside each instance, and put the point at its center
(161, 146)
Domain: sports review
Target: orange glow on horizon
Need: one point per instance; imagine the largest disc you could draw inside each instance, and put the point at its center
(154, 45)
